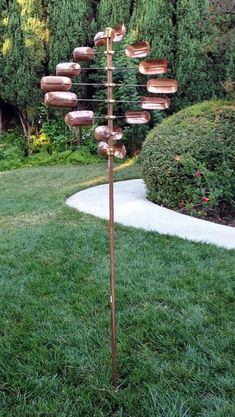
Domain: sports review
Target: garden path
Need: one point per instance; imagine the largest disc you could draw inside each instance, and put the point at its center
(133, 209)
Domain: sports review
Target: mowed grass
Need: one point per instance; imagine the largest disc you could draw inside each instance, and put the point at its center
(174, 303)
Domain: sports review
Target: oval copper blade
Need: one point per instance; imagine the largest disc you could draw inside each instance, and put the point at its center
(137, 117)
(100, 39)
(153, 66)
(79, 118)
(102, 133)
(60, 99)
(83, 53)
(119, 150)
(55, 83)
(164, 86)
(155, 103)
(117, 133)
(103, 149)
(138, 49)
(119, 33)
(69, 69)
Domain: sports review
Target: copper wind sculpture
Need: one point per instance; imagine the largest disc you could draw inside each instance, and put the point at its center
(58, 94)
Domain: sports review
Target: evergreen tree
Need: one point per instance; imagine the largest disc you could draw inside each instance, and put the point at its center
(153, 21)
(113, 13)
(69, 24)
(195, 46)
(23, 55)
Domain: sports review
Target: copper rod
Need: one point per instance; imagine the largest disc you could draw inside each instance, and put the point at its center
(114, 85)
(105, 100)
(111, 208)
(106, 117)
(114, 69)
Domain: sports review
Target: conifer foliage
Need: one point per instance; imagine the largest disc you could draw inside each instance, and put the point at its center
(69, 24)
(195, 46)
(24, 35)
(195, 37)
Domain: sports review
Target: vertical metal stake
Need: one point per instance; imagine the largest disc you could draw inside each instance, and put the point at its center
(111, 207)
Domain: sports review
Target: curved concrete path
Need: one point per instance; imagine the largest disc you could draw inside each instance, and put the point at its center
(133, 209)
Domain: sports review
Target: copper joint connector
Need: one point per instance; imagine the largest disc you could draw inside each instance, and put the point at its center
(108, 32)
(110, 152)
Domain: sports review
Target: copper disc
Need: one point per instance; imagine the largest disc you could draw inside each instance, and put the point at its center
(60, 99)
(137, 117)
(79, 118)
(55, 83)
(100, 39)
(153, 66)
(119, 150)
(164, 86)
(138, 49)
(119, 33)
(155, 103)
(117, 133)
(69, 69)
(83, 53)
(103, 149)
(102, 133)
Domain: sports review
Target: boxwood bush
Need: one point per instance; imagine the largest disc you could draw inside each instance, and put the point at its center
(188, 160)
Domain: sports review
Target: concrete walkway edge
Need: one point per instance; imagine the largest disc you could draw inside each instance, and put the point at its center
(133, 209)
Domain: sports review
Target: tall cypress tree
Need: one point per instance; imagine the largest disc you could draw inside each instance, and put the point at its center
(195, 46)
(69, 24)
(153, 21)
(23, 55)
(111, 13)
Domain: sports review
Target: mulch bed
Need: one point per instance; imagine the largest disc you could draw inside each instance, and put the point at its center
(227, 219)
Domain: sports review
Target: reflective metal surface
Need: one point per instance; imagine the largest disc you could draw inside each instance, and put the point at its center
(153, 66)
(55, 83)
(69, 69)
(79, 118)
(102, 149)
(164, 86)
(155, 103)
(83, 53)
(60, 99)
(137, 117)
(102, 133)
(119, 33)
(138, 49)
(117, 133)
(100, 38)
(119, 150)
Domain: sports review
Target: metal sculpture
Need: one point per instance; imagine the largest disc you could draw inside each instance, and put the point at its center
(58, 94)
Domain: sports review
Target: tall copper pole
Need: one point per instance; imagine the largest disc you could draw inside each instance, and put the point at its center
(111, 205)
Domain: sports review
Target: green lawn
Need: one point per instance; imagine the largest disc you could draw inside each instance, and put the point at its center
(174, 301)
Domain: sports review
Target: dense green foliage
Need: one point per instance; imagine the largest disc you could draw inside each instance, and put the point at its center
(153, 21)
(189, 160)
(174, 303)
(23, 57)
(56, 144)
(69, 25)
(195, 36)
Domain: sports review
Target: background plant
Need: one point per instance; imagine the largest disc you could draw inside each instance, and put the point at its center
(189, 160)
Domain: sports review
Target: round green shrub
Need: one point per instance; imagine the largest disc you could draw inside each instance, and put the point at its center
(188, 160)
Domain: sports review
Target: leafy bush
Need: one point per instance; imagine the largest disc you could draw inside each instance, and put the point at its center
(82, 156)
(12, 145)
(188, 160)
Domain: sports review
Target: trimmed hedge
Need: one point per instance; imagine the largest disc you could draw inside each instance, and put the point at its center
(188, 160)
